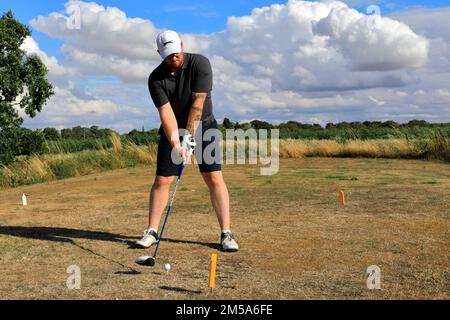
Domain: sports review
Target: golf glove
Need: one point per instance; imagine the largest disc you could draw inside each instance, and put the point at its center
(188, 144)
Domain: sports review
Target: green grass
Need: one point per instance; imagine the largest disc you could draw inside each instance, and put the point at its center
(341, 177)
(429, 182)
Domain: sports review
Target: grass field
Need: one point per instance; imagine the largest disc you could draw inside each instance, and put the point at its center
(297, 241)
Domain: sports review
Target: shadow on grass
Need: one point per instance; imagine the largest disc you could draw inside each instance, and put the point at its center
(180, 290)
(63, 234)
(66, 235)
(211, 245)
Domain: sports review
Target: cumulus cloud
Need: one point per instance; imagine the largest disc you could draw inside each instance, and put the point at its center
(66, 109)
(373, 42)
(101, 30)
(430, 23)
(31, 47)
(297, 60)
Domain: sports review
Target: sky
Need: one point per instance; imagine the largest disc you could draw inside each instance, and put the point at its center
(308, 61)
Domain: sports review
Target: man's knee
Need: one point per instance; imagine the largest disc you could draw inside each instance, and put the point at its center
(214, 179)
(162, 182)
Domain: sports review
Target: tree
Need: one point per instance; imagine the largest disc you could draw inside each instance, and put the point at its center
(258, 124)
(66, 133)
(22, 85)
(51, 134)
(95, 132)
(418, 123)
(227, 124)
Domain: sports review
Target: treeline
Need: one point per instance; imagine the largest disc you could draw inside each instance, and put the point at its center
(294, 125)
(77, 132)
(347, 130)
(51, 140)
(290, 129)
(79, 138)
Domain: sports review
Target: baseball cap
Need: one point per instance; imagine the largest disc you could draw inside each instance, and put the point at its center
(168, 42)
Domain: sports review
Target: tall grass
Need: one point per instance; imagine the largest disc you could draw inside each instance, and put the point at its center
(377, 148)
(47, 167)
(76, 145)
(438, 147)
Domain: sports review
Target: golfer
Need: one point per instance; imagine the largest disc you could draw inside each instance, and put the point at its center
(180, 88)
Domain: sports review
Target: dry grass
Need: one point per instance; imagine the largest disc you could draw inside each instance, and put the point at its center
(297, 241)
(379, 148)
(117, 144)
(49, 167)
(35, 169)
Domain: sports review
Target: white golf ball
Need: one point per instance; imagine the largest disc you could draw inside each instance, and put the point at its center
(167, 266)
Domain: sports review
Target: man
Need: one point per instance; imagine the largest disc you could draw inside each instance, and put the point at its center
(180, 88)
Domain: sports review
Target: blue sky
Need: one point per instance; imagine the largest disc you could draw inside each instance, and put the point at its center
(205, 16)
(100, 73)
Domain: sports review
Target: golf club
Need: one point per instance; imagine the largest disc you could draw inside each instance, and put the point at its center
(150, 260)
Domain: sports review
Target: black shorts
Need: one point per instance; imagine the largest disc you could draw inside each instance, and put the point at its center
(208, 161)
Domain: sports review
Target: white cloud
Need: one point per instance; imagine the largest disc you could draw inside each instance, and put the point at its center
(431, 23)
(376, 101)
(67, 109)
(373, 42)
(102, 31)
(280, 62)
(31, 47)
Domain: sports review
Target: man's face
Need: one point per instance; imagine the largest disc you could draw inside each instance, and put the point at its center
(175, 61)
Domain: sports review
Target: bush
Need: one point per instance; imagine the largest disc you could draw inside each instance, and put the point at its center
(19, 141)
(8, 149)
(63, 169)
(31, 142)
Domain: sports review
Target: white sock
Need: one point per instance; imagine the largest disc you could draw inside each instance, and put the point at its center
(152, 229)
(225, 231)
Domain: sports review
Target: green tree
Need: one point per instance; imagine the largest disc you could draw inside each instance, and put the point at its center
(95, 131)
(227, 124)
(51, 134)
(66, 133)
(258, 124)
(22, 85)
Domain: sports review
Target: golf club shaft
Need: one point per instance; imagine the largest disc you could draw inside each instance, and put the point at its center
(169, 208)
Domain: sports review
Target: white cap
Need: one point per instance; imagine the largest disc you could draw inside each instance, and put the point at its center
(168, 42)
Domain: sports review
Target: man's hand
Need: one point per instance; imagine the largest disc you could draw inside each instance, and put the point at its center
(180, 151)
(188, 144)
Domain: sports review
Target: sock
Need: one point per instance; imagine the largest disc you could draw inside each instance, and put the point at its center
(225, 231)
(152, 229)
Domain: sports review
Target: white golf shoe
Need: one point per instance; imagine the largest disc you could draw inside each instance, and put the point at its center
(228, 242)
(150, 237)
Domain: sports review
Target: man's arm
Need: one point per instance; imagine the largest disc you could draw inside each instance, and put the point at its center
(195, 114)
(169, 123)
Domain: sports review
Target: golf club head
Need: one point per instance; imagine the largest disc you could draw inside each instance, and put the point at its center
(146, 261)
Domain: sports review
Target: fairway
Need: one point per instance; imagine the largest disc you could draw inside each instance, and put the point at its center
(297, 240)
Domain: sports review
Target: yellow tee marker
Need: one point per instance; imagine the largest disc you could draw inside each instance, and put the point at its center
(212, 271)
(341, 197)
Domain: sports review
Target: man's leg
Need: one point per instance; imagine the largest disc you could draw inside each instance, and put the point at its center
(221, 202)
(219, 197)
(159, 196)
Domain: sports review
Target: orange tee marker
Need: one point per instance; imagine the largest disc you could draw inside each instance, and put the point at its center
(212, 271)
(341, 197)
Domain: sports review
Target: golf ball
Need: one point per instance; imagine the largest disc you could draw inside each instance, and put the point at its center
(167, 266)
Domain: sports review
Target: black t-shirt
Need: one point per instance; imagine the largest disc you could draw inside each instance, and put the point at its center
(195, 76)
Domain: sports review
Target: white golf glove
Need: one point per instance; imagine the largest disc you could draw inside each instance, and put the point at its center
(188, 144)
